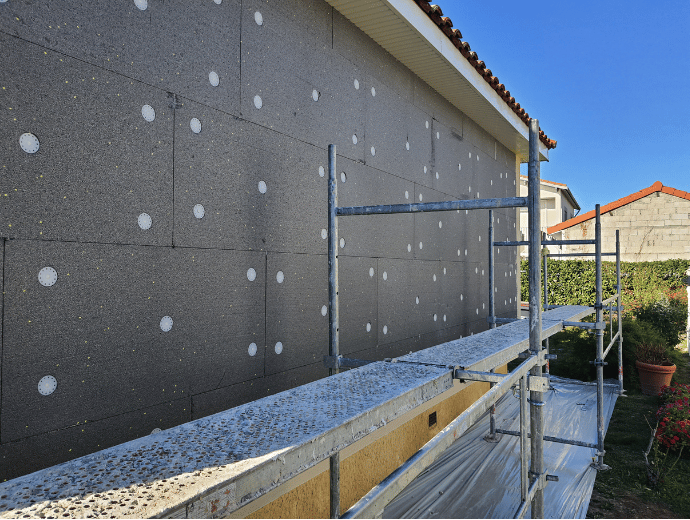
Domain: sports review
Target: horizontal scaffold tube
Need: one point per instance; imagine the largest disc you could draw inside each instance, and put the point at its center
(510, 202)
(373, 502)
(550, 439)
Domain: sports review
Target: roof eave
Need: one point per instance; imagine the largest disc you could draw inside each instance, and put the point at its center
(409, 35)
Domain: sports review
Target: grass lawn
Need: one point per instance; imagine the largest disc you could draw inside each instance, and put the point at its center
(624, 491)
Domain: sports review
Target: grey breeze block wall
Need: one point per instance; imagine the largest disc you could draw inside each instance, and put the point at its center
(655, 227)
(163, 251)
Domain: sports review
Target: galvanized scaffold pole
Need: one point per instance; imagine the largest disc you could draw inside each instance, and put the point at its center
(333, 311)
(619, 313)
(492, 317)
(599, 362)
(536, 403)
(546, 306)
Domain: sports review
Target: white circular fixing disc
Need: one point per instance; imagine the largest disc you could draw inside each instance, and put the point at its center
(280, 277)
(368, 327)
(444, 317)
(356, 82)
(155, 431)
(373, 151)
(29, 143)
(434, 278)
(166, 323)
(409, 248)
(435, 317)
(436, 175)
(258, 18)
(371, 272)
(199, 211)
(47, 276)
(195, 125)
(141, 4)
(315, 95)
(354, 138)
(427, 124)
(251, 274)
(373, 91)
(144, 221)
(407, 194)
(343, 177)
(257, 101)
(322, 172)
(420, 197)
(440, 224)
(148, 113)
(407, 145)
(342, 243)
(47, 385)
(218, 2)
(252, 349)
(213, 78)
(421, 246)
(278, 347)
(262, 187)
(324, 234)
(444, 270)
(324, 310)
(385, 275)
(385, 329)
(416, 300)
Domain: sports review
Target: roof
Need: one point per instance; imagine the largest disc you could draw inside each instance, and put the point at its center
(417, 34)
(656, 187)
(454, 35)
(559, 186)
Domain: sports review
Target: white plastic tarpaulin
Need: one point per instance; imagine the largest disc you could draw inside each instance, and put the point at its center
(479, 479)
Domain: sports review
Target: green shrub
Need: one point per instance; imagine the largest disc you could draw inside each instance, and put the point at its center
(670, 317)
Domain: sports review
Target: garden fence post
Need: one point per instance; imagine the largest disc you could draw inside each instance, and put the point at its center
(687, 337)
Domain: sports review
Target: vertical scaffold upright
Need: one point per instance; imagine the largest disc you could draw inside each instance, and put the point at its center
(528, 374)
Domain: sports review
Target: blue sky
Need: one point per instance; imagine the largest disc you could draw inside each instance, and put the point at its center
(610, 81)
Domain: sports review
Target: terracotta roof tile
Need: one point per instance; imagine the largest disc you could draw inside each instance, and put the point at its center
(454, 35)
(657, 186)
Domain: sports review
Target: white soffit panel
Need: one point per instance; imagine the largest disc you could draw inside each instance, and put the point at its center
(407, 33)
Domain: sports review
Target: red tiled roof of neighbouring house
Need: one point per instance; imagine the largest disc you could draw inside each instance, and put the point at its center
(455, 36)
(657, 186)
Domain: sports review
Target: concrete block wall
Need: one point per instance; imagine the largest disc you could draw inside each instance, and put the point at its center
(163, 250)
(655, 227)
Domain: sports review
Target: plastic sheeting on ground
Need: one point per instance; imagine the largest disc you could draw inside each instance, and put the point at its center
(479, 479)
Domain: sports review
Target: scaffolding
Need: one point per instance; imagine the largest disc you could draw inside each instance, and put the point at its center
(189, 470)
(527, 376)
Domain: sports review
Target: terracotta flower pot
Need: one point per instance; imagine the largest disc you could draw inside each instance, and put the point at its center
(653, 377)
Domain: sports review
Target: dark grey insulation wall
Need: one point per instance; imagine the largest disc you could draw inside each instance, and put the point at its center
(111, 202)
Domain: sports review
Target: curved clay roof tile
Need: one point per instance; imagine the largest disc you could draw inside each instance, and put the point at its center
(445, 24)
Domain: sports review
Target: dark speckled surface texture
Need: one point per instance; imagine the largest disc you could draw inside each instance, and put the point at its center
(293, 77)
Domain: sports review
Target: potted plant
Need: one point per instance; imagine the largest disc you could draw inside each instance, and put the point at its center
(654, 366)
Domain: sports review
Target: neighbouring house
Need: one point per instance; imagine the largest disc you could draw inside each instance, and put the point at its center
(558, 204)
(163, 209)
(654, 224)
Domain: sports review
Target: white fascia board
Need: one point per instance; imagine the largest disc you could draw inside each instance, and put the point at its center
(514, 133)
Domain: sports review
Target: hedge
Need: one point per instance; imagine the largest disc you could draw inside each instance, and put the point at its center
(572, 282)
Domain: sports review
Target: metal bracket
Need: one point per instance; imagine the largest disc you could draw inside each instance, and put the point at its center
(537, 383)
(599, 325)
(551, 356)
(173, 102)
(470, 375)
(598, 363)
